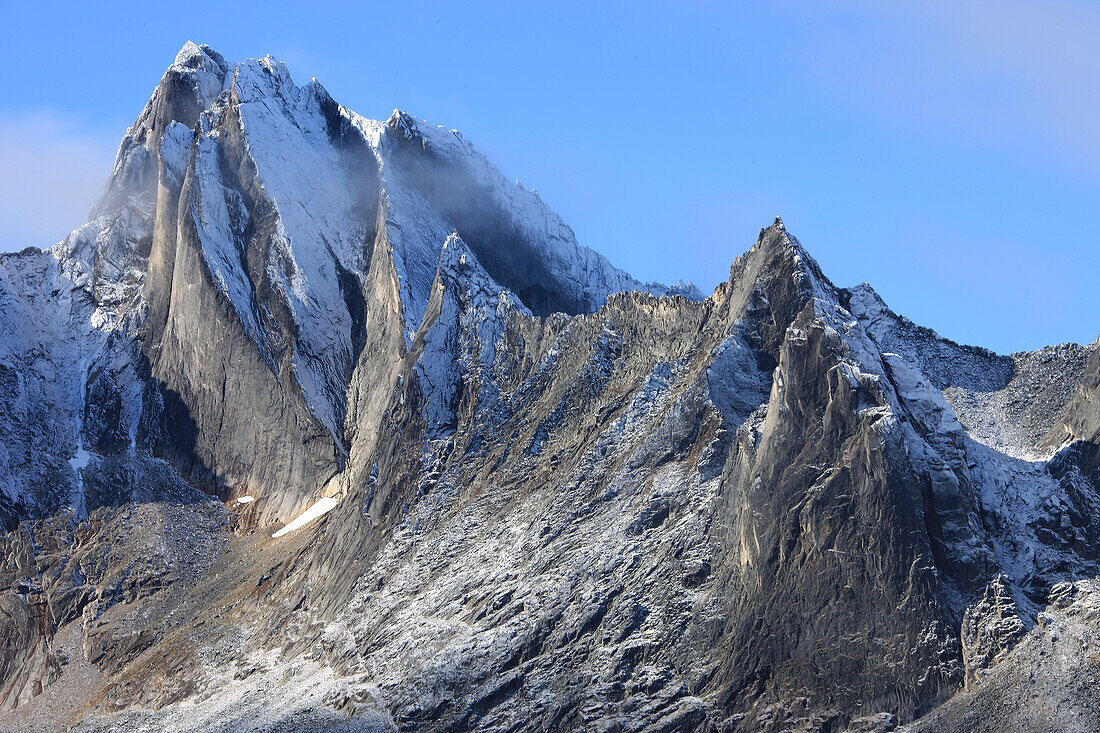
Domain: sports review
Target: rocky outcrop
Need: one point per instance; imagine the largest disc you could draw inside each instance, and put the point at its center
(1082, 416)
(560, 498)
(990, 628)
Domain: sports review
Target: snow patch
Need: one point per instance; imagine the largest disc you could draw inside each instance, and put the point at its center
(322, 506)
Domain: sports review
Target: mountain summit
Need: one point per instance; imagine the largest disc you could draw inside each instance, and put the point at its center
(322, 423)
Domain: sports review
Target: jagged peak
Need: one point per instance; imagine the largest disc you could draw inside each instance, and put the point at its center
(776, 248)
(776, 238)
(317, 89)
(406, 126)
(439, 139)
(194, 56)
(454, 254)
(773, 282)
(273, 66)
(867, 299)
(460, 267)
(200, 68)
(399, 119)
(684, 288)
(884, 324)
(254, 79)
(557, 272)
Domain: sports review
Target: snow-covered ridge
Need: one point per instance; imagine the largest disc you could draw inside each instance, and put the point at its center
(325, 173)
(1007, 403)
(971, 424)
(284, 196)
(786, 455)
(205, 68)
(588, 269)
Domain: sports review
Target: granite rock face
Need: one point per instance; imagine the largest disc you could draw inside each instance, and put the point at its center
(560, 498)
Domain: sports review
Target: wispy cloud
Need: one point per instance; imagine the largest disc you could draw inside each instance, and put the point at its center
(53, 172)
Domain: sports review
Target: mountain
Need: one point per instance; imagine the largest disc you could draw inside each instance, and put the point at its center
(544, 495)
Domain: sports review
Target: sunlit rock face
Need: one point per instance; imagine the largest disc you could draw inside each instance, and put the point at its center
(321, 423)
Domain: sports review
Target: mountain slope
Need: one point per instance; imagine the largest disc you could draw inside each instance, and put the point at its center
(559, 498)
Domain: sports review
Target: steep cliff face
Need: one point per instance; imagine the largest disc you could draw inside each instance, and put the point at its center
(559, 498)
(1081, 420)
(235, 241)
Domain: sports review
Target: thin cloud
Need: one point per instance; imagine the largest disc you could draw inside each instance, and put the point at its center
(53, 172)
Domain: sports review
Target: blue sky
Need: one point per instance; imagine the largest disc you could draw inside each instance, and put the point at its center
(947, 153)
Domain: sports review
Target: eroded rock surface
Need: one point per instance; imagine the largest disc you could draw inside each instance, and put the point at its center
(563, 499)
